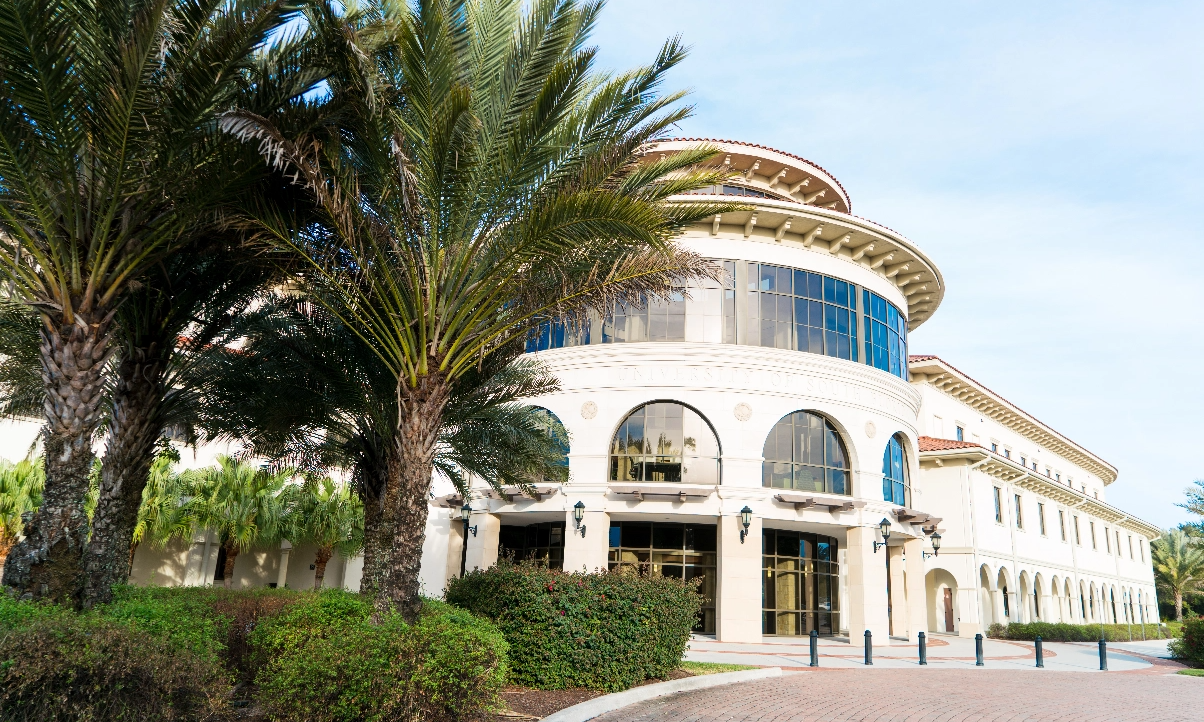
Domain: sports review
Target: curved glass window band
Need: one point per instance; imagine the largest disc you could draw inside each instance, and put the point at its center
(894, 472)
(665, 442)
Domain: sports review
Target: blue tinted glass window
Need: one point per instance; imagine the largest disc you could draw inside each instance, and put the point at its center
(804, 451)
(885, 336)
(802, 311)
(894, 472)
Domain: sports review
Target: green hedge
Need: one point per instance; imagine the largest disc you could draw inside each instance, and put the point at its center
(175, 654)
(325, 662)
(1059, 632)
(606, 631)
(84, 667)
(1189, 648)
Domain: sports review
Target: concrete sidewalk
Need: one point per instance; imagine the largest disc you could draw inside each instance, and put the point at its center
(944, 652)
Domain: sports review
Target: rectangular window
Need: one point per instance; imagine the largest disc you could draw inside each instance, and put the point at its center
(1141, 548)
(994, 447)
(1024, 462)
(1007, 453)
(1019, 514)
(998, 506)
(1062, 523)
(801, 311)
(1078, 538)
(1107, 541)
(1117, 542)
(1034, 466)
(1041, 517)
(1059, 476)
(1130, 546)
(961, 434)
(1047, 470)
(1091, 528)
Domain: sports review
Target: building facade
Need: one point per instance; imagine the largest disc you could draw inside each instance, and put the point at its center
(761, 432)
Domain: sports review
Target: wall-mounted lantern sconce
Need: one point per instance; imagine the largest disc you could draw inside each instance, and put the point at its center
(745, 521)
(578, 515)
(936, 546)
(465, 513)
(884, 530)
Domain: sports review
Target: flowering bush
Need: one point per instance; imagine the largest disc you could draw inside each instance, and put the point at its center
(607, 630)
(1189, 648)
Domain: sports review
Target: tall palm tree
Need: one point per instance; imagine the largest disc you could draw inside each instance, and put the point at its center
(20, 494)
(304, 390)
(109, 161)
(240, 503)
(488, 181)
(328, 515)
(1178, 566)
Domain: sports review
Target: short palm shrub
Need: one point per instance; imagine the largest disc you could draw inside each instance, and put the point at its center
(606, 630)
(84, 667)
(324, 660)
(1189, 648)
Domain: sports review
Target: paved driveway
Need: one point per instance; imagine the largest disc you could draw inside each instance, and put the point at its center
(944, 695)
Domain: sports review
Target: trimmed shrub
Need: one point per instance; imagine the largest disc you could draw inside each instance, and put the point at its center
(1189, 648)
(606, 630)
(1061, 632)
(81, 667)
(325, 661)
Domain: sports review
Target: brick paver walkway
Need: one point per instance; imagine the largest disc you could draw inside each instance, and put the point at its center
(923, 695)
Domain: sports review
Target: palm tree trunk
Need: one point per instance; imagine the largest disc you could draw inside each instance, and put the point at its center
(420, 418)
(378, 528)
(47, 562)
(135, 426)
(1178, 606)
(323, 555)
(228, 569)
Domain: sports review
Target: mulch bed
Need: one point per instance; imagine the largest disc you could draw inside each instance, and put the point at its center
(529, 704)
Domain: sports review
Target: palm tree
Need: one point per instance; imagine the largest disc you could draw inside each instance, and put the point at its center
(1178, 566)
(304, 390)
(20, 493)
(487, 181)
(241, 504)
(161, 515)
(1195, 498)
(21, 390)
(329, 516)
(109, 162)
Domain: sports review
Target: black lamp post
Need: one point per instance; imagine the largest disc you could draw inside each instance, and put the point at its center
(884, 530)
(745, 521)
(936, 545)
(578, 515)
(465, 513)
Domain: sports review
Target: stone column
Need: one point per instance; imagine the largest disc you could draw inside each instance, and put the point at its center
(738, 597)
(282, 574)
(898, 592)
(997, 614)
(588, 553)
(482, 548)
(455, 547)
(918, 602)
(866, 605)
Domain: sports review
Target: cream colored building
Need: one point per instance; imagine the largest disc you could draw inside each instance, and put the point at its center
(789, 391)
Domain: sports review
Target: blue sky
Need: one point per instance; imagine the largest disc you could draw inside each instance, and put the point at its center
(1045, 155)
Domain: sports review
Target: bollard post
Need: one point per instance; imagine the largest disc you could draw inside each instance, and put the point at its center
(814, 648)
(869, 648)
(1103, 655)
(978, 651)
(1040, 652)
(923, 648)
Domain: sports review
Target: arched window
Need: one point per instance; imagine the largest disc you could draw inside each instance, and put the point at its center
(895, 486)
(665, 441)
(804, 452)
(555, 429)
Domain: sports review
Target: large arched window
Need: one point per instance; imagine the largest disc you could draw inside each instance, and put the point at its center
(895, 483)
(805, 452)
(665, 441)
(552, 426)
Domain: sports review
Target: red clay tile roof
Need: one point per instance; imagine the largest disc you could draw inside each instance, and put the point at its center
(929, 443)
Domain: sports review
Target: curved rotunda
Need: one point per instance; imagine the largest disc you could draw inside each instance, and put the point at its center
(784, 396)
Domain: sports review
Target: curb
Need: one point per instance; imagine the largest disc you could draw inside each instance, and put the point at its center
(611, 702)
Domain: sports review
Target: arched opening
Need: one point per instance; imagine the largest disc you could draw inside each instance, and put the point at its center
(986, 600)
(1005, 602)
(804, 451)
(665, 441)
(942, 611)
(1023, 613)
(896, 483)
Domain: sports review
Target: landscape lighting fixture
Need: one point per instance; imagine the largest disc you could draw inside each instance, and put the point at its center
(884, 530)
(578, 515)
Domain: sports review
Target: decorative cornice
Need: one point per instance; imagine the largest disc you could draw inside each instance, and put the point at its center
(1010, 472)
(948, 380)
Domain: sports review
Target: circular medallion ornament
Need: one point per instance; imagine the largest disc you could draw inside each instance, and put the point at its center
(870, 429)
(589, 410)
(742, 411)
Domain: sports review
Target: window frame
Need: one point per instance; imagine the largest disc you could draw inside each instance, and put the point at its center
(998, 493)
(829, 427)
(1041, 518)
(1019, 512)
(611, 455)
